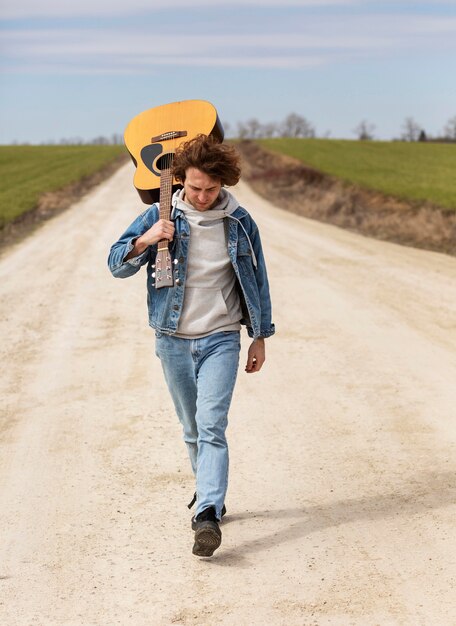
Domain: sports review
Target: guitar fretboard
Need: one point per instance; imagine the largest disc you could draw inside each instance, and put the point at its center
(166, 187)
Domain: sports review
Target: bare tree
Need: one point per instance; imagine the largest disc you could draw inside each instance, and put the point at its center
(295, 125)
(117, 139)
(411, 130)
(253, 129)
(364, 131)
(270, 129)
(450, 128)
(242, 130)
(101, 140)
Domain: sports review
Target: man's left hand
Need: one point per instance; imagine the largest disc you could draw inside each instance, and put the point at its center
(256, 356)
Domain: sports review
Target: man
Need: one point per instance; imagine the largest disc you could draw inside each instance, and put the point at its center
(221, 283)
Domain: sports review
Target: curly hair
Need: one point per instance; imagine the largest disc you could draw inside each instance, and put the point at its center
(217, 160)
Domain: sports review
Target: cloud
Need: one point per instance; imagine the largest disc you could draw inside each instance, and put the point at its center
(58, 8)
(98, 42)
(309, 42)
(90, 51)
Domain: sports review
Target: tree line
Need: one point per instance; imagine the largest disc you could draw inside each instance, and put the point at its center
(116, 139)
(294, 125)
(411, 131)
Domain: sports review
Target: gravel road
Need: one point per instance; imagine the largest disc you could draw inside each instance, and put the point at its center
(341, 506)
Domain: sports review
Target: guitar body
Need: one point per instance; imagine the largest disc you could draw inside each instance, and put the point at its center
(152, 137)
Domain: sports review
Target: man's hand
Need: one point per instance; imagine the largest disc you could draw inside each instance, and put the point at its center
(163, 229)
(256, 356)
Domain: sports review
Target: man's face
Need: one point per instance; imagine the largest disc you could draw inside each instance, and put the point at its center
(201, 191)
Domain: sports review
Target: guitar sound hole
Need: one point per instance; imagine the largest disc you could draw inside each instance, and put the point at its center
(165, 161)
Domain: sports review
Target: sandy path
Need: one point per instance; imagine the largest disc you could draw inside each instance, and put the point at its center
(342, 495)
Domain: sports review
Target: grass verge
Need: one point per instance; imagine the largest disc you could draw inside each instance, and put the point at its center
(421, 172)
(30, 171)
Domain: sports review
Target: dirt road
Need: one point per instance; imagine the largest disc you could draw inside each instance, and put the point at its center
(341, 507)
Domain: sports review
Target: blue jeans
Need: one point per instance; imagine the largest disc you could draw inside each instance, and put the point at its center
(201, 374)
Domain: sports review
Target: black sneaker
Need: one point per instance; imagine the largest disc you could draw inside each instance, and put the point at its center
(208, 535)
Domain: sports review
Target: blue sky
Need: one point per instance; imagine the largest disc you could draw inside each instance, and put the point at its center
(85, 68)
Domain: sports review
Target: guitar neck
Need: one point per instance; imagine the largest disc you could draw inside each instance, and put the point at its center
(166, 186)
(164, 273)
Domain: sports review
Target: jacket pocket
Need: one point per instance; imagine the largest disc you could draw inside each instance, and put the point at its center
(243, 247)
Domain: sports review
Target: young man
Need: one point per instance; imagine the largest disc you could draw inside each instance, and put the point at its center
(221, 283)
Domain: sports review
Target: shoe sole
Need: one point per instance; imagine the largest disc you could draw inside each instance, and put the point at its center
(207, 540)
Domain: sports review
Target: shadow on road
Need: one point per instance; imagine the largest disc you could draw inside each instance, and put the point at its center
(428, 491)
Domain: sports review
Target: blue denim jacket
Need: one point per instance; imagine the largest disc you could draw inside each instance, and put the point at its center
(165, 304)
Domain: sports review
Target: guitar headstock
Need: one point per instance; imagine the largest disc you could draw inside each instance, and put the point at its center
(163, 269)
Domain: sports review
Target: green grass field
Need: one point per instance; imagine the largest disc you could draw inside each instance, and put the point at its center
(29, 171)
(415, 171)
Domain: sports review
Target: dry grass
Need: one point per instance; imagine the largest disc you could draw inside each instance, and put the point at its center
(308, 192)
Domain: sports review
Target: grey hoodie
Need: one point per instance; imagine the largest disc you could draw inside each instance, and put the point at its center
(211, 301)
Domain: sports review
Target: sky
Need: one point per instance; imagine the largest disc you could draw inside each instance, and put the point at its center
(85, 68)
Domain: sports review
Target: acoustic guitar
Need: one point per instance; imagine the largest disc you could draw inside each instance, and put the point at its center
(152, 138)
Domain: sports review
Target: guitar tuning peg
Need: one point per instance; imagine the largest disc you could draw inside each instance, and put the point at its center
(153, 266)
(178, 281)
(175, 261)
(153, 274)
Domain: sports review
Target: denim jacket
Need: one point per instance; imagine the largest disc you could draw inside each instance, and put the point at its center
(165, 304)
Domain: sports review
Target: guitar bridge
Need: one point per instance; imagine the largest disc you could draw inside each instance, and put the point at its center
(171, 134)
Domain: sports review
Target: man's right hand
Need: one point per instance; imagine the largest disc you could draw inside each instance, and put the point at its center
(163, 229)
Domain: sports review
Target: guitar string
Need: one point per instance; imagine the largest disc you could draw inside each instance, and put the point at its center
(167, 188)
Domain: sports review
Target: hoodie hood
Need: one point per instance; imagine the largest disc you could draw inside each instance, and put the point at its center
(225, 206)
